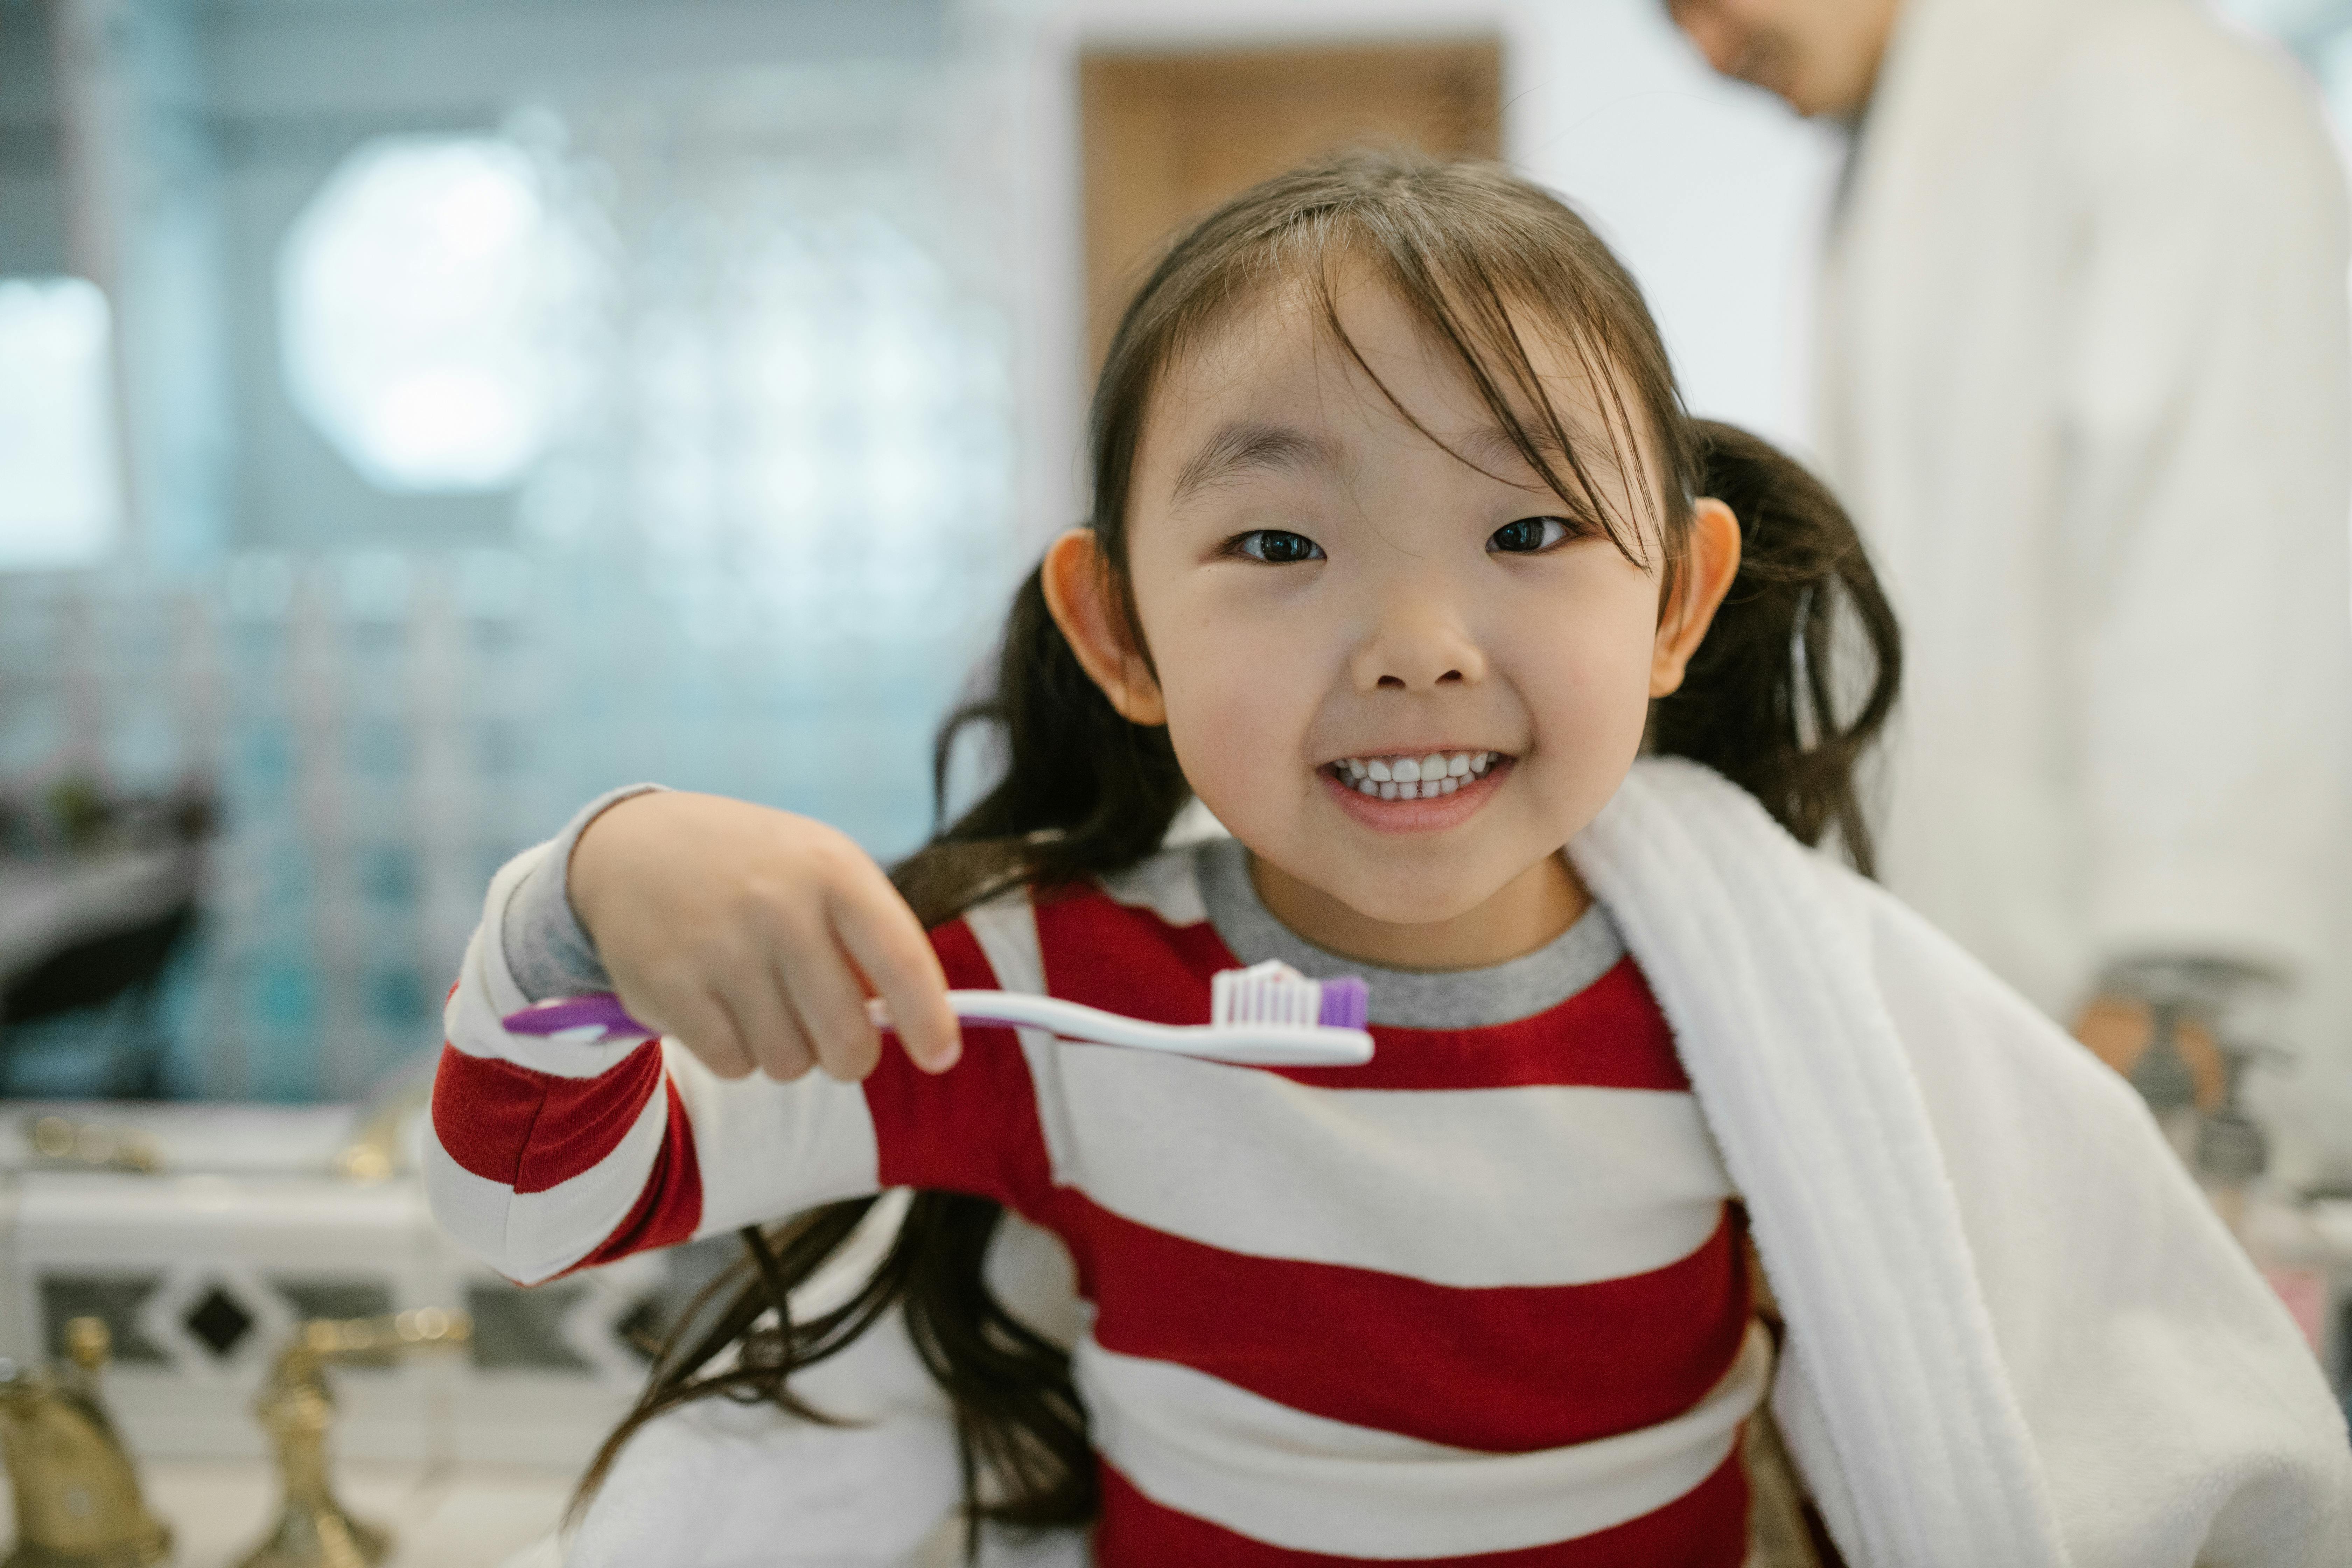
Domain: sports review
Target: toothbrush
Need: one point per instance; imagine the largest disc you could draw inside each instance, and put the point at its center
(1265, 1015)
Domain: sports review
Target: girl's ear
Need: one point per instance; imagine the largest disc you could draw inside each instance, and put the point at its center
(1707, 569)
(1079, 596)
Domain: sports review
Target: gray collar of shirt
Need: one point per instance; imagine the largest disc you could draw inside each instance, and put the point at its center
(1406, 998)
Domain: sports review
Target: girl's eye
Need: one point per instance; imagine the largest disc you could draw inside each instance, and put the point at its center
(1277, 546)
(1529, 534)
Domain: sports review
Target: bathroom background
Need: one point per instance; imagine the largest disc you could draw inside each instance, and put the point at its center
(419, 417)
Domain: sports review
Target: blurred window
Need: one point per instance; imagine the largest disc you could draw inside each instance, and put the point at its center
(400, 998)
(421, 303)
(61, 506)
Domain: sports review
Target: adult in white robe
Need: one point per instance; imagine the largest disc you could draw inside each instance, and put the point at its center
(2086, 386)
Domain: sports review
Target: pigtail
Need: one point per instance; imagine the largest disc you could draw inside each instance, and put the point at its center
(1799, 673)
(1081, 790)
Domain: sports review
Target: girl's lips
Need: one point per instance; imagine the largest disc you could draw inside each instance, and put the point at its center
(1416, 816)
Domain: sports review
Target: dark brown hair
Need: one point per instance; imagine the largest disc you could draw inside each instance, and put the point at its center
(1480, 257)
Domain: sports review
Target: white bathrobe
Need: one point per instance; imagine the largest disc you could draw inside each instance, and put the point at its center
(2017, 1335)
(2087, 388)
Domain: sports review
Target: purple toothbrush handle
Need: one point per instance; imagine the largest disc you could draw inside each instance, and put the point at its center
(602, 1009)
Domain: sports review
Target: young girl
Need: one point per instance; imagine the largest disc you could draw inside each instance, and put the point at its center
(1402, 551)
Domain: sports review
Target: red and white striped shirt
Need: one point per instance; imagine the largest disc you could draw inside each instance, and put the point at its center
(1479, 1300)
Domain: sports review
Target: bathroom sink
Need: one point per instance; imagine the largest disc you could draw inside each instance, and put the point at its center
(204, 1234)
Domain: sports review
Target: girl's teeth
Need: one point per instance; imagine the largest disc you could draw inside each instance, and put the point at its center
(1414, 778)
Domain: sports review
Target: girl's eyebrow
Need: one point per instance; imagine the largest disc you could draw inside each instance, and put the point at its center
(1246, 445)
(1490, 447)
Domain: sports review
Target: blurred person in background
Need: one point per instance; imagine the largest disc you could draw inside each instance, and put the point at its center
(2084, 368)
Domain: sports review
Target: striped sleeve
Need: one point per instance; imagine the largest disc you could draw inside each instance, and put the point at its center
(549, 1155)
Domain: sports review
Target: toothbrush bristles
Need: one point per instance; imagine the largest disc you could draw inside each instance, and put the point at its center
(1347, 1003)
(1274, 993)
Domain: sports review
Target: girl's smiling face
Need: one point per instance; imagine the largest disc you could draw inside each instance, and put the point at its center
(1328, 595)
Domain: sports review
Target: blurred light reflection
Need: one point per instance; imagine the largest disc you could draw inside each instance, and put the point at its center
(422, 296)
(60, 506)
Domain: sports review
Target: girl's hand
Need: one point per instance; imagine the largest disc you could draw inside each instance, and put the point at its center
(754, 936)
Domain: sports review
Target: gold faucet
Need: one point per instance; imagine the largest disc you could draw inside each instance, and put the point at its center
(314, 1529)
(78, 1502)
(374, 1154)
(94, 1145)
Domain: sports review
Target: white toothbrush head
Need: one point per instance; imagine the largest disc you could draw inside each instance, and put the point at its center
(1274, 993)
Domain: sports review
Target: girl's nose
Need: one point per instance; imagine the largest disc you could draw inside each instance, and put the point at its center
(1417, 648)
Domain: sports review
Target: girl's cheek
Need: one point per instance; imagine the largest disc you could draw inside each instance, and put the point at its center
(1588, 690)
(1237, 728)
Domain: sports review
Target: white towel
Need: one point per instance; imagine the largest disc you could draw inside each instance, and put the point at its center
(2017, 1336)
(2017, 1333)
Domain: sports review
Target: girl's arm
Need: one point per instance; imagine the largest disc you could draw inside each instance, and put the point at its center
(734, 928)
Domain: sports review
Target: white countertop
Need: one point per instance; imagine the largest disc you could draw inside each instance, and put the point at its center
(473, 1516)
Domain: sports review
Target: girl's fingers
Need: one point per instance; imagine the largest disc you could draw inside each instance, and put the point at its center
(764, 1020)
(829, 1003)
(704, 1027)
(887, 943)
(761, 937)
